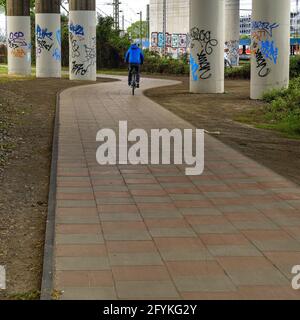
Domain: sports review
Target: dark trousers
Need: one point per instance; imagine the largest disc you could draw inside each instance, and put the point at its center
(135, 67)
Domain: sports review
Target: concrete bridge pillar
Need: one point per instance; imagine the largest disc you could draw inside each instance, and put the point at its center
(232, 30)
(48, 38)
(207, 23)
(18, 37)
(270, 46)
(82, 32)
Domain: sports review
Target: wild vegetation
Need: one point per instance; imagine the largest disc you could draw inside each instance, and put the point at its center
(283, 109)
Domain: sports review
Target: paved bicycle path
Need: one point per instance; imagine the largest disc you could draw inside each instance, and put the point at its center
(151, 232)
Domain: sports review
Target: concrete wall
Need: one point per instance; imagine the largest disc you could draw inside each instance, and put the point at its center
(207, 23)
(232, 30)
(18, 38)
(270, 46)
(82, 60)
(177, 25)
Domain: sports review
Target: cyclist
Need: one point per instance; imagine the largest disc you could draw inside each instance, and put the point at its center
(135, 58)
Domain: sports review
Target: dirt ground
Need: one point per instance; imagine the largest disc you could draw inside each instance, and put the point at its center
(27, 110)
(218, 112)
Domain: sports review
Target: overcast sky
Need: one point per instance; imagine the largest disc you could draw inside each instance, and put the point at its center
(131, 7)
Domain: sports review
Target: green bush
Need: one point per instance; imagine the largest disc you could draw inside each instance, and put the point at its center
(164, 65)
(283, 108)
(242, 72)
(295, 66)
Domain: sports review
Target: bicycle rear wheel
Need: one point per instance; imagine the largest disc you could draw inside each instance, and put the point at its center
(133, 82)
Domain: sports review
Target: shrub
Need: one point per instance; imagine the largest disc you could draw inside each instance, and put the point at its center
(283, 108)
(242, 72)
(295, 66)
(164, 65)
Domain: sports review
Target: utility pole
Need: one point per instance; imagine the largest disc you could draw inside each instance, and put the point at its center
(164, 27)
(116, 14)
(141, 28)
(297, 18)
(148, 22)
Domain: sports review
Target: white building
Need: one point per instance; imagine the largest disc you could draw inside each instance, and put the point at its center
(245, 25)
(177, 26)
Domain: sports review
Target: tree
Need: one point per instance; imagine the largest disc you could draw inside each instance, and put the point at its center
(110, 46)
(134, 30)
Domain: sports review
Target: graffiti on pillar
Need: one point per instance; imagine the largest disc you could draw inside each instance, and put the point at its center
(261, 64)
(269, 50)
(19, 53)
(83, 55)
(90, 54)
(57, 51)
(205, 43)
(76, 29)
(265, 27)
(194, 68)
(74, 47)
(44, 39)
(18, 44)
(233, 51)
(264, 47)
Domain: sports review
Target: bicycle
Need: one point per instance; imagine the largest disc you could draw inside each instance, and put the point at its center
(133, 81)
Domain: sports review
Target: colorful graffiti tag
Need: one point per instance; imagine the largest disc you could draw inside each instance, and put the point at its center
(76, 29)
(233, 51)
(57, 51)
(205, 43)
(264, 47)
(83, 56)
(44, 39)
(18, 44)
(175, 40)
(194, 68)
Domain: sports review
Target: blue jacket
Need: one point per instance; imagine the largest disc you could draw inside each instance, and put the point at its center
(134, 55)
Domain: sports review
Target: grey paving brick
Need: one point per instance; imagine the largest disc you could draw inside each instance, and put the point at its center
(77, 220)
(103, 293)
(135, 259)
(82, 263)
(207, 283)
(172, 232)
(139, 199)
(234, 251)
(76, 203)
(271, 277)
(277, 245)
(79, 239)
(200, 211)
(146, 289)
(215, 228)
(185, 254)
(114, 200)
